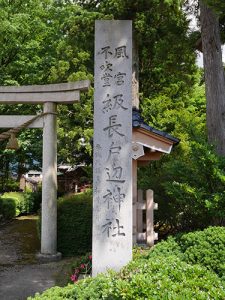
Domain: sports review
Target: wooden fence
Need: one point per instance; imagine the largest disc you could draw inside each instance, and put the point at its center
(143, 218)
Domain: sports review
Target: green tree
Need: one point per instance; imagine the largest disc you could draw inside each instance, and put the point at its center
(48, 42)
(54, 43)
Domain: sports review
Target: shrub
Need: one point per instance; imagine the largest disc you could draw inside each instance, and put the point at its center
(25, 202)
(75, 224)
(10, 185)
(206, 248)
(33, 200)
(183, 267)
(18, 199)
(7, 208)
(145, 278)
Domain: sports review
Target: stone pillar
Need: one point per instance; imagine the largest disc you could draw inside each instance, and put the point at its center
(112, 190)
(49, 186)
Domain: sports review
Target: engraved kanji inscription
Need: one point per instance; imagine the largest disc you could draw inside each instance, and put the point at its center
(114, 196)
(106, 79)
(113, 228)
(105, 51)
(113, 150)
(107, 227)
(121, 52)
(108, 105)
(119, 102)
(113, 127)
(115, 102)
(119, 78)
(117, 228)
(115, 174)
(106, 67)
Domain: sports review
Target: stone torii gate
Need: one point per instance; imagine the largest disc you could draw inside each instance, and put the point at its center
(49, 95)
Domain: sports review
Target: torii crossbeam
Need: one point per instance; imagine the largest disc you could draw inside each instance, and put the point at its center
(48, 95)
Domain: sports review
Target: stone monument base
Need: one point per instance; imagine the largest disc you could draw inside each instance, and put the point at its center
(45, 258)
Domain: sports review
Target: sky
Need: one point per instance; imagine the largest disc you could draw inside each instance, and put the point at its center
(200, 57)
(193, 26)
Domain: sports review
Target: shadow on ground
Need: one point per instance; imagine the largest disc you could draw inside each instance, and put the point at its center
(21, 275)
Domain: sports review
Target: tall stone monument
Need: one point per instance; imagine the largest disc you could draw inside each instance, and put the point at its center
(112, 206)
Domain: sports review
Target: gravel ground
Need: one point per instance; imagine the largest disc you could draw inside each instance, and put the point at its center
(19, 282)
(21, 275)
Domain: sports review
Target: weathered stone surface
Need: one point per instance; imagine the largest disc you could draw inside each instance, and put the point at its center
(49, 183)
(112, 209)
(16, 121)
(39, 94)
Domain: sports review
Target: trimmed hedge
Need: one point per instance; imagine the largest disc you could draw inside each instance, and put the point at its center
(19, 203)
(74, 224)
(18, 199)
(172, 270)
(156, 279)
(7, 208)
(206, 248)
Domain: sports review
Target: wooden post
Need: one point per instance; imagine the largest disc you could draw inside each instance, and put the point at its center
(135, 198)
(140, 226)
(150, 206)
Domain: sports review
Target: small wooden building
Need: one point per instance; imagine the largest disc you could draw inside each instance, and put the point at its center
(30, 180)
(72, 179)
(148, 144)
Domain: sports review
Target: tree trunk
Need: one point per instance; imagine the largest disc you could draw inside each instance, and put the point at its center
(20, 170)
(214, 78)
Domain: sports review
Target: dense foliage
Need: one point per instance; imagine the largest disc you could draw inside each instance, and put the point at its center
(175, 269)
(189, 188)
(74, 224)
(15, 203)
(52, 41)
(55, 44)
(188, 184)
(7, 209)
(205, 248)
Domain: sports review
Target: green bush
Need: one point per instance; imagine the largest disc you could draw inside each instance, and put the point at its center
(156, 279)
(25, 202)
(18, 199)
(7, 208)
(33, 200)
(183, 267)
(75, 224)
(11, 185)
(206, 248)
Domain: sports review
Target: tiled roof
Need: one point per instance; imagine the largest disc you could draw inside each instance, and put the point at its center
(138, 122)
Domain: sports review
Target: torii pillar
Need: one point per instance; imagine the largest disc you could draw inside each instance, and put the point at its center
(49, 184)
(48, 95)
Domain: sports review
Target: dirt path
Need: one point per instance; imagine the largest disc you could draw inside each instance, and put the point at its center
(20, 273)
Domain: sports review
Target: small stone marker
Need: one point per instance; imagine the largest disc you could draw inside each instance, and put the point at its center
(112, 204)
